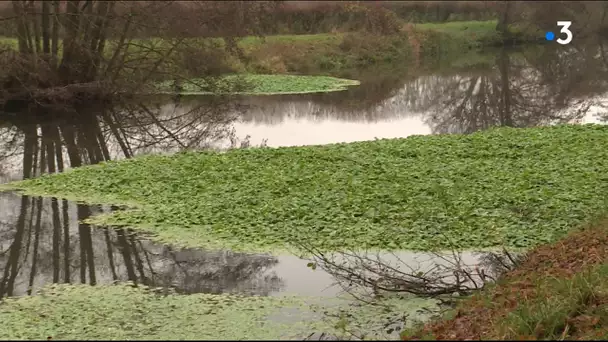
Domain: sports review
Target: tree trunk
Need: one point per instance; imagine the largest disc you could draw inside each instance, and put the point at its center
(36, 28)
(55, 35)
(21, 31)
(46, 30)
(68, 67)
(118, 49)
(66, 240)
(86, 243)
(56, 238)
(503, 18)
(110, 253)
(98, 36)
(10, 270)
(123, 246)
(36, 245)
(506, 118)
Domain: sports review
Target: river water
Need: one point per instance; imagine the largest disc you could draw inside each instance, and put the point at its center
(43, 241)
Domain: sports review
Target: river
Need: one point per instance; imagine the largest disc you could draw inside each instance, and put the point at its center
(43, 241)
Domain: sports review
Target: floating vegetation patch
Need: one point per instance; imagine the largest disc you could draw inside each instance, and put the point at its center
(503, 187)
(382, 318)
(122, 312)
(257, 85)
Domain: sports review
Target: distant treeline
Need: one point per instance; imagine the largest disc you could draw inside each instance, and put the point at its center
(307, 17)
(238, 18)
(323, 16)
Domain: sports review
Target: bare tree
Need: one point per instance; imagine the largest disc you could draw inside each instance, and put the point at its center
(73, 49)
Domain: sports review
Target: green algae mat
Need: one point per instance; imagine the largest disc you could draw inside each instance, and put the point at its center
(503, 187)
(122, 312)
(258, 85)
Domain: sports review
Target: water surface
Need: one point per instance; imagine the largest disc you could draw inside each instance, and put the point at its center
(42, 241)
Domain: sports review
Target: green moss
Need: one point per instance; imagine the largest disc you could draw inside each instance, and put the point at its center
(261, 85)
(468, 29)
(292, 38)
(503, 187)
(8, 42)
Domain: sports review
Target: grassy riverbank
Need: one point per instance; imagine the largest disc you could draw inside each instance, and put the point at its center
(337, 54)
(504, 187)
(558, 293)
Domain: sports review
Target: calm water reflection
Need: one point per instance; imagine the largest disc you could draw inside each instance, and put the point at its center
(507, 88)
(42, 241)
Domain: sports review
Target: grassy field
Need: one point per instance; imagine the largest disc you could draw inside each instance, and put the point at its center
(483, 31)
(286, 39)
(505, 187)
(461, 29)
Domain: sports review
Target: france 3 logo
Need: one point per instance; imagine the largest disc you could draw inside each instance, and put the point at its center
(565, 25)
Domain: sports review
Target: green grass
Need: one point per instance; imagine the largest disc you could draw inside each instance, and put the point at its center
(321, 37)
(557, 292)
(551, 314)
(502, 187)
(8, 41)
(450, 39)
(546, 315)
(484, 31)
(122, 312)
(559, 308)
(554, 308)
(461, 28)
(262, 85)
(454, 37)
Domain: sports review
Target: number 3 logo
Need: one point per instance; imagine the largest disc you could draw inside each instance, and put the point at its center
(565, 25)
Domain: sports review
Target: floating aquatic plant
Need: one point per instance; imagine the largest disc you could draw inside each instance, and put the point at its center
(503, 187)
(123, 312)
(257, 85)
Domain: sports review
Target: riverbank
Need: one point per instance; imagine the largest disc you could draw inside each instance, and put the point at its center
(338, 54)
(348, 56)
(559, 292)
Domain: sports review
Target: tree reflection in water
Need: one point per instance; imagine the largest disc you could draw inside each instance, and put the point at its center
(44, 240)
(517, 88)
